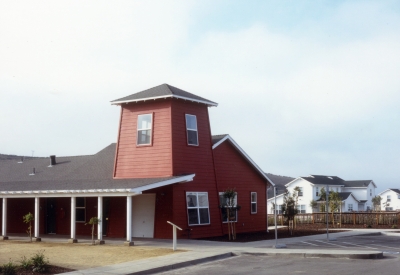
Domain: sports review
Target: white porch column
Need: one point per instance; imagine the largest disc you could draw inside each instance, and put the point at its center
(100, 224)
(73, 223)
(129, 221)
(36, 220)
(4, 221)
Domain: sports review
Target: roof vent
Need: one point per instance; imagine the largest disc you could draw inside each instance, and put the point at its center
(33, 172)
(22, 160)
(52, 160)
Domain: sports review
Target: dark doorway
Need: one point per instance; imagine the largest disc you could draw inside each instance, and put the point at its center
(106, 212)
(51, 216)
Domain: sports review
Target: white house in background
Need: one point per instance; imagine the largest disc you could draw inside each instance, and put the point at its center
(356, 195)
(390, 199)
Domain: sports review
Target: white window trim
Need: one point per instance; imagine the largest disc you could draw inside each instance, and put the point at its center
(198, 209)
(144, 129)
(299, 208)
(189, 129)
(236, 197)
(81, 207)
(350, 208)
(252, 202)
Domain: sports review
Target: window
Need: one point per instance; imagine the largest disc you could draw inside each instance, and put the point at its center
(317, 191)
(224, 208)
(350, 207)
(388, 198)
(301, 208)
(197, 207)
(370, 192)
(279, 209)
(301, 192)
(389, 208)
(253, 202)
(398, 196)
(191, 129)
(80, 210)
(144, 129)
(337, 189)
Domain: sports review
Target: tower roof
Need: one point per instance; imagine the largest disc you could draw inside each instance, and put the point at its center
(163, 91)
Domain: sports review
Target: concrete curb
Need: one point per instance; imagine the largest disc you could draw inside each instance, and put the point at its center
(320, 254)
(183, 264)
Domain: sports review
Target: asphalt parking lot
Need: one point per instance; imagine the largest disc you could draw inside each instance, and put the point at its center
(263, 264)
(386, 244)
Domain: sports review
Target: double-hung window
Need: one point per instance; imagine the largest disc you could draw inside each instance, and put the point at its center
(317, 191)
(279, 209)
(197, 208)
(253, 202)
(350, 207)
(80, 209)
(300, 192)
(191, 130)
(228, 207)
(144, 129)
(388, 198)
(301, 208)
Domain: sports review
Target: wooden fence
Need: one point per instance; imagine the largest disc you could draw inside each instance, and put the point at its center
(364, 218)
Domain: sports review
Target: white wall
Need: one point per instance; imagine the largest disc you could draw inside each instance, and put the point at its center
(395, 201)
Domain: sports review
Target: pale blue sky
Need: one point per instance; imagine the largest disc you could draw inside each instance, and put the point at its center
(305, 87)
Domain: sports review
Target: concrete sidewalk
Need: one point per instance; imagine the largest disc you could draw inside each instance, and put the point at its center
(203, 251)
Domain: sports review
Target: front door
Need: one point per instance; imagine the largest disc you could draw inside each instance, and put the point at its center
(51, 216)
(143, 210)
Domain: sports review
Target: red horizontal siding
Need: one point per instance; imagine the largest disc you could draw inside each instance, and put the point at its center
(134, 161)
(193, 159)
(233, 171)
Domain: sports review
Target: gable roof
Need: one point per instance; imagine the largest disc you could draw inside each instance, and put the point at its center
(324, 180)
(75, 174)
(219, 139)
(163, 91)
(390, 189)
(358, 183)
(280, 182)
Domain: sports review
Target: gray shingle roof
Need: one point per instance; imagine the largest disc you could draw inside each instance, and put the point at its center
(396, 190)
(344, 195)
(280, 182)
(357, 183)
(324, 180)
(70, 173)
(163, 91)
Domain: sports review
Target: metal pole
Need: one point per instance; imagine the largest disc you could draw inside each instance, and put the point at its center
(326, 209)
(276, 228)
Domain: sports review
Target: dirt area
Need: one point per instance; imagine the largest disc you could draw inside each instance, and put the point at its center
(77, 256)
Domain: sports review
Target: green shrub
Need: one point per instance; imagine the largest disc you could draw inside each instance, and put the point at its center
(394, 226)
(25, 263)
(9, 268)
(39, 263)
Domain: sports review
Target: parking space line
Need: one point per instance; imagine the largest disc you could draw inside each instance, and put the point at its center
(360, 245)
(385, 246)
(311, 243)
(331, 243)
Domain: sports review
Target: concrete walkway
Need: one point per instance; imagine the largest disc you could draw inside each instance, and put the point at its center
(204, 251)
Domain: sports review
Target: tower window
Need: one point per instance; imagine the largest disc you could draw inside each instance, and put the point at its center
(191, 129)
(144, 128)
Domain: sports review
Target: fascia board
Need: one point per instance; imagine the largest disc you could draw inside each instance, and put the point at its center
(273, 198)
(385, 191)
(182, 179)
(164, 96)
(291, 182)
(228, 137)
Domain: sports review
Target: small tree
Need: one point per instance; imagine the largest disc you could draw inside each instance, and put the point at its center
(28, 218)
(93, 221)
(289, 206)
(335, 204)
(376, 201)
(231, 209)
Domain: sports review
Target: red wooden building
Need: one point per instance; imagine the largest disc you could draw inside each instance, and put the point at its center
(165, 166)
